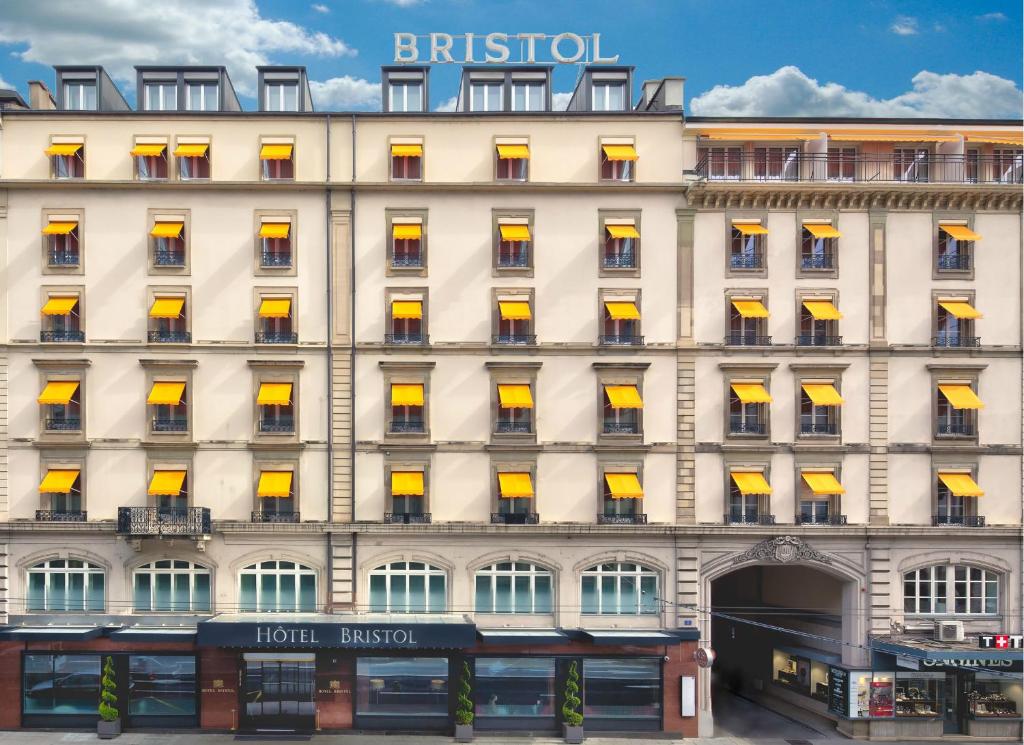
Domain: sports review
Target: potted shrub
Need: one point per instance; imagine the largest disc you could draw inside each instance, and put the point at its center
(109, 725)
(572, 719)
(464, 707)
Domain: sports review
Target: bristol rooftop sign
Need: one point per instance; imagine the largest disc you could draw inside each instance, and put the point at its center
(500, 49)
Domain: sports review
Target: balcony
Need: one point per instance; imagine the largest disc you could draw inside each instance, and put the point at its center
(514, 339)
(62, 336)
(62, 258)
(275, 260)
(613, 427)
(515, 518)
(817, 262)
(819, 428)
(64, 424)
(407, 262)
(407, 426)
(753, 260)
(259, 516)
(513, 428)
(166, 257)
(61, 516)
(737, 518)
(278, 425)
(276, 337)
(956, 341)
(170, 337)
(819, 340)
(958, 262)
(619, 261)
(741, 426)
(515, 261)
(955, 429)
(407, 518)
(640, 518)
(820, 167)
(160, 521)
(406, 339)
(745, 339)
(170, 424)
(819, 520)
(624, 340)
(966, 521)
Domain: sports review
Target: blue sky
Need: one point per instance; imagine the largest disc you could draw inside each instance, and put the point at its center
(852, 57)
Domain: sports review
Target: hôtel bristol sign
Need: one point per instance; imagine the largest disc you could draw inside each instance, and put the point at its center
(500, 49)
(257, 635)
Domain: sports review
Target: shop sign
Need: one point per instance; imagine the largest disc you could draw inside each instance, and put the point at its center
(565, 48)
(838, 690)
(1001, 641)
(251, 635)
(1011, 665)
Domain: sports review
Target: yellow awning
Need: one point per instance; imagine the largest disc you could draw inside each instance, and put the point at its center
(275, 152)
(274, 484)
(758, 135)
(166, 393)
(514, 485)
(622, 231)
(58, 392)
(997, 139)
(896, 137)
(514, 232)
(275, 307)
(507, 152)
(149, 150)
(620, 152)
(823, 483)
(191, 150)
(623, 397)
(822, 310)
(751, 482)
(59, 482)
(59, 306)
(167, 307)
(960, 309)
(750, 228)
(515, 397)
(407, 483)
(822, 394)
(275, 229)
(406, 232)
(167, 229)
(514, 311)
(406, 309)
(166, 483)
(622, 311)
(822, 230)
(64, 148)
(406, 394)
(960, 232)
(751, 393)
(624, 485)
(406, 151)
(750, 308)
(59, 228)
(961, 484)
(274, 394)
(961, 396)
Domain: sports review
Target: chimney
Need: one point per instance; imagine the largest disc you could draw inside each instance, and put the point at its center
(39, 96)
(650, 86)
(672, 93)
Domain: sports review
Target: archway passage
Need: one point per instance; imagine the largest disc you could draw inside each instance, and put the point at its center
(768, 682)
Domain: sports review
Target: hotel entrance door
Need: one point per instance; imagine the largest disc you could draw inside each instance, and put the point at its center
(277, 692)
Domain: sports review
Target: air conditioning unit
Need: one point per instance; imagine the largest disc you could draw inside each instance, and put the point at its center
(949, 631)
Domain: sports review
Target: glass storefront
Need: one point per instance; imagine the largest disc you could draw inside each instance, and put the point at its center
(996, 695)
(514, 692)
(161, 685)
(801, 673)
(402, 692)
(61, 684)
(919, 694)
(622, 693)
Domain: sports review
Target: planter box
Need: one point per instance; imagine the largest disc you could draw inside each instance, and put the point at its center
(572, 734)
(463, 733)
(108, 730)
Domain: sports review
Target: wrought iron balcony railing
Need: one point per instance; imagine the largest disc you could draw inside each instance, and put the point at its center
(956, 341)
(170, 424)
(167, 257)
(967, 521)
(613, 427)
(741, 426)
(160, 521)
(958, 262)
(62, 335)
(407, 261)
(407, 518)
(513, 339)
(170, 337)
(278, 425)
(818, 428)
(753, 260)
(747, 340)
(407, 426)
(515, 518)
(61, 516)
(627, 340)
(276, 337)
(259, 516)
(64, 424)
(817, 261)
(619, 261)
(955, 429)
(639, 518)
(513, 261)
(819, 340)
(410, 339)
(275, 259)
(821, 520)
(739, 518)
(62, 258)
(505, 428)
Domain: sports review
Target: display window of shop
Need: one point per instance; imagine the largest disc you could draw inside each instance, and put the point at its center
(161, 685)
(61, 684)
(800, 674)
(880, 698)
(513, 587)
(919, 694)
(850, 692)
(401, 692)
(995, 694)
(172, 585)
(277, 587)
(514, 692)
(619, 588)
(617, 690)
(65, 585)
(408, 587)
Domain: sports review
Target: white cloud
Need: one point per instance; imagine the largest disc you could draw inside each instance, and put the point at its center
(119, 34)
(560, 100)
(1000, 17)
(5, 84)
(904, 26)
(789, 92)
(319, 8)
(345, 93)
(448, 105)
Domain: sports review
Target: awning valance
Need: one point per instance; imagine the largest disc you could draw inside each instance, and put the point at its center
(149, 150)
(64, 148)
(509, 152)
(512, 232)
(514, 310)
(960, 309)
(59, 305)
(515, 485)
(822, 230)
(274, 484)
(406, 232)
(960, 396)
(623, 397)
(167, 307)
(750, 228)
(407, 483)
(167, 394)
(751, 393)
(275, 152)
(59, 481)
(960, 484)
(515, 397)
(191, 150)
(406, 394)
(58, 392)
(167, 229)
(620, 152)
(275, 229)
(822, 310)
(822, 482)
(751, 482)
(624, 485)
(406, 309)
(750, 308)
(960, 232)
(822, 394)
(274, 394)
(622, 231)
(166, 483)
(406, 151)
(280, 307)
(61, 227)
(622, 311)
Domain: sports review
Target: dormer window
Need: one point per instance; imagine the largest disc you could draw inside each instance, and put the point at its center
(79, 96)
(161, 96)
(486, 95)
(528, 95)
(281, 96)
(609, 96)
(405, 95)
(201, 96)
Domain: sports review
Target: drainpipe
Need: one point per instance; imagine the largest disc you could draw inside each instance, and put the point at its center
(330, 367)
(352, 354)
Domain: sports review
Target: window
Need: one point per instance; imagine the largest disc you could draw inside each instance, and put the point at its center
(161, 96)
(407, 404)
(748, 408)
(818, 247)
(749, 498)
(408, 587)
(819, 321)
(955, 248)
(841, 163)
(719, 163)
(402, 691)
(62, 243)
(776, 163)
(514, 320)
(277, 162)
(624, 689)
(618, 162)
(407, 162)
(608, 96)
(168, 244)
(200, 96)
(62, 320)
(954, 323)
(619, 589)
(277, 587)
(274, 323)
(79, 96)
(910, 164)
(621, 248)
(515, 409)
(621, 322)
(514, 689)
(528, 95)
(276, 408)
(65, 585)
(622, 499)
(512, 162)
(61, 684)
(281, 96)
(514, 241)
(513, 587)
(747, 321)
(622, 410)
(61, 491)
(275, 243)
(67, 160)
(820, 404)
(819, 495)
(956, 410)
(1007, 165)
(193, 161)
(974, 591)
(406, 323)
(168, 488)
(150, 161)
(515, 496)
(408, 496)
(275, 497)
(405, 96)
(168, 407)
(172, 585)
(486, 96)
(746, 247)
(956, 499)
(61, 400)
(406, 245)
(168, 322)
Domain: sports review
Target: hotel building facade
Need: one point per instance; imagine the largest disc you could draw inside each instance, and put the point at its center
(307, 416)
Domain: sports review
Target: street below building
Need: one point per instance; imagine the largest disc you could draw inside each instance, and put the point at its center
(737, 718)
